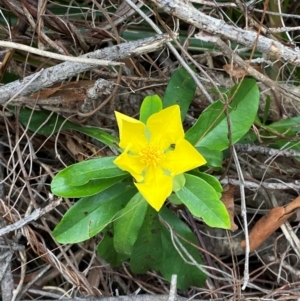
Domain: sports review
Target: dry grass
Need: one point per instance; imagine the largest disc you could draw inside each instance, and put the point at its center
(36, 265)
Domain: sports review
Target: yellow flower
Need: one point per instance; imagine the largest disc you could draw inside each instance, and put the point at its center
(155, 152)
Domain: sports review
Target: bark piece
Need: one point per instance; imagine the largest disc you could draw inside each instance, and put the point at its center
(228, 200)
(269, 223)
(57, 74)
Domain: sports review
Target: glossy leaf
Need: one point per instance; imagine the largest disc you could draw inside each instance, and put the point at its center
(214, 158)
(81, 173)
(61, 188)
(128, 224)
(178, 182)
(180, 90)
(203, 201)
(150, 105)
(211, 128)
(47, 123)
(90, 215)
(172, 263)
(211, 180)
(147, 250)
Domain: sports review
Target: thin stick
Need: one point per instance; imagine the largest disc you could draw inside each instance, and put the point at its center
(57, 56)
(173, 289)
(244, 216)
(32, 217)
(58, 73)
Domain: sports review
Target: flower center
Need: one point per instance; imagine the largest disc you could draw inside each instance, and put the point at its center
(151, 155)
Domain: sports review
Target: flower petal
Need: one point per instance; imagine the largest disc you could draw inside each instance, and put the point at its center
(132, 133)
(165, 127)
(156, 187)
(183, 158)
(132, 164)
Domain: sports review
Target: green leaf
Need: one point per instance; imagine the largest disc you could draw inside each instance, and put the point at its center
(178, 182)
(267, 109)
(173, 198)
(286, 125)
(81, 173)
(106, 250)
(147, 250)
(61, 188)
(128, 224)
(257, 121)
(211, 128)
(211, 180)
(180, 90)
(47, 123)
(90, 215)
(249, 138)
(150, 105)
(87, 178)
(172, 263)
(214, 158)
(9, 77)
(203, 201)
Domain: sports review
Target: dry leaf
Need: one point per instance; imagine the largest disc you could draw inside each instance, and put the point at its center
(70, 93)
(228, 200)
(75, 148)
(46, 92)
(236, 71)
(269, 223)
(94, 277)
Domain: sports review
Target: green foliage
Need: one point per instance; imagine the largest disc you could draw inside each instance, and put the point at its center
(91, 215)
(46, 123)
(204, 201)
(180, 90)
(188, 274)
(290, 126)
(111, 205)
(99, 168)
(106, 250)
(61, 188)
(282, 134)
(267, 109)
(213, 157)
(128, 224)
(154, 248)
(212, 181)
(211, 129)
(178, 182)
(151, 104)
(147, 251)
(9, 77)
(87, 178)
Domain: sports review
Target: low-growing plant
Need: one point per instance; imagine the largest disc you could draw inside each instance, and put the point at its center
(132, 198)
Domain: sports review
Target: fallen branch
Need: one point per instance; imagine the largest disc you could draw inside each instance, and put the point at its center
(268, 185)
(267, 151)
(218, 28)
(57, 56)
(60, 72)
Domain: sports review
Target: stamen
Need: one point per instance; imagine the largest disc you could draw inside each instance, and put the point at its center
(151, 155)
